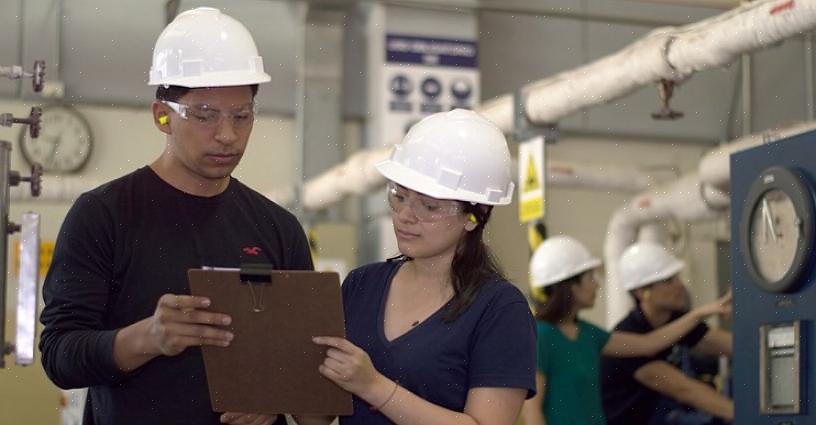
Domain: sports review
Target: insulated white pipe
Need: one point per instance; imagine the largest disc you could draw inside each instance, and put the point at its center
(665, 53)
(715, 167)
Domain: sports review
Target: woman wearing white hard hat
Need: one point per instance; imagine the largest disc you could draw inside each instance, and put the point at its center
(563, 282)
(438, 335)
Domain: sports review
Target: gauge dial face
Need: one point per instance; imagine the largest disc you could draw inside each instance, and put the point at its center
(64, 144)
(777, 229)
(775, 233)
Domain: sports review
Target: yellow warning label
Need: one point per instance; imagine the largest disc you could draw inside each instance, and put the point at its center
(531, 209)
(531, 182)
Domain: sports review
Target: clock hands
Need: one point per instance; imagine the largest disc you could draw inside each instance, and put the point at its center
(53, 154)
(768, 220)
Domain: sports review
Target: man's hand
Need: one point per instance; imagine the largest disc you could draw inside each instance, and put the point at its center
(722, 306)
(235, 418)
(181, 321)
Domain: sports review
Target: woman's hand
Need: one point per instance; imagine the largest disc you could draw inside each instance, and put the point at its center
(348, 366)
(721, 306)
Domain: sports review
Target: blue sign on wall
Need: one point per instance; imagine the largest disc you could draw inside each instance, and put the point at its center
(431, 51)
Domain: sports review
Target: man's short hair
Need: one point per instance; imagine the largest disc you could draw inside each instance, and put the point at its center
(174, 93)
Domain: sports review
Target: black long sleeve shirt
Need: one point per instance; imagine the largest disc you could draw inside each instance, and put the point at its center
(121, 247)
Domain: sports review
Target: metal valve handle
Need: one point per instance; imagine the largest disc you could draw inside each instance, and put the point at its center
(33, 121)
(16, 72)
(35, 179)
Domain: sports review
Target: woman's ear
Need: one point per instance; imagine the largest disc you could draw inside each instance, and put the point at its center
(472, 222)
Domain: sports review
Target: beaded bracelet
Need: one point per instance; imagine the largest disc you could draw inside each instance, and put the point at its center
(394, 391)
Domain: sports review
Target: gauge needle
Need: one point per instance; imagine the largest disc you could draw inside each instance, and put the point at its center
(767, 215)
(53, 152)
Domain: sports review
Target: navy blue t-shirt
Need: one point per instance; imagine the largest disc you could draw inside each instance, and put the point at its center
(492, 344)
(626, 401)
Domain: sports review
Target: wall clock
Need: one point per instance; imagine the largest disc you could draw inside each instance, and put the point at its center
(65, 142)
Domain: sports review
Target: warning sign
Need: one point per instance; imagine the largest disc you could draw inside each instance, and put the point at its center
(531, 180)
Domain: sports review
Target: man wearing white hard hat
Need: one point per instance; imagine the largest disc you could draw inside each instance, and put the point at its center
(652, 390)
(118, 315)
(562, 283)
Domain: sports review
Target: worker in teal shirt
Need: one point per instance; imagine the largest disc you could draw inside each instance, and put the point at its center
(563, 283)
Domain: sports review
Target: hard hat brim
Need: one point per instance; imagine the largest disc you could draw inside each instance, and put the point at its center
(425, 185)
(589, 265)
(668, 272)
(223, 79)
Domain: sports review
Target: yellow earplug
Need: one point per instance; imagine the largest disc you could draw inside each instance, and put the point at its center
(472, 218)
(538, 294)
(646, 294)
(163, 120)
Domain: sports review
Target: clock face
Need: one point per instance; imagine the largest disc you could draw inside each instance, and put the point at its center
(777, 229)
(65, 141)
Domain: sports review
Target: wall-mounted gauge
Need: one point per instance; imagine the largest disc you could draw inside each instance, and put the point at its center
(776, 229)
(64, 144)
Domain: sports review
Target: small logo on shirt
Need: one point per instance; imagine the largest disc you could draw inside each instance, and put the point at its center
(252, 250)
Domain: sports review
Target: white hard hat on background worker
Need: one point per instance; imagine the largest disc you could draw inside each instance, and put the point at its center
(205, 48)
(559, 258)
(645, 263)
(556, 260)
(456, 155)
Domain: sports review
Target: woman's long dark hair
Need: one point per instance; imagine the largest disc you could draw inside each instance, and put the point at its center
(559, 303)
(473, 264)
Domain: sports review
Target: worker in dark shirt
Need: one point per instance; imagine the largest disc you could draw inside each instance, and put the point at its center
(118, 316)
(653, 390)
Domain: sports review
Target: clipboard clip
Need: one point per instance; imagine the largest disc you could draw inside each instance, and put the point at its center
(256, 275)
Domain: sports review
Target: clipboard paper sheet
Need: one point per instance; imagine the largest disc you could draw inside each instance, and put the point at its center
(271, 366)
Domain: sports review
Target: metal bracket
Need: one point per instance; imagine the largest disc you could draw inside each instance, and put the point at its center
(523, 128)
(665, 89)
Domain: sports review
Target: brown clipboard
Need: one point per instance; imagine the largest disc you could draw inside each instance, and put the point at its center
(271, 366)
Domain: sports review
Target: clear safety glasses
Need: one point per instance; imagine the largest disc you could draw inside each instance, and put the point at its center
(207, 116)
(425, 208)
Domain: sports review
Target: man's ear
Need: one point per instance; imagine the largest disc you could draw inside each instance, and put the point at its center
(161, 117)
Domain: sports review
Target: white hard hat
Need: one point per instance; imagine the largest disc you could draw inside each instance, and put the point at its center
(559, 258)
(206, 48)
(644, 263)
(453, 155)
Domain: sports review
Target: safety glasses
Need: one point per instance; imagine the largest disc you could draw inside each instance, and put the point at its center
(424, 208)
(207, 116)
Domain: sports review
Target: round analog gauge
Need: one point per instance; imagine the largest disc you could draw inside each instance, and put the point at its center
(777, 229)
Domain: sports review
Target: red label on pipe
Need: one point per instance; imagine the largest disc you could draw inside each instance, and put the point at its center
(783, 7)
